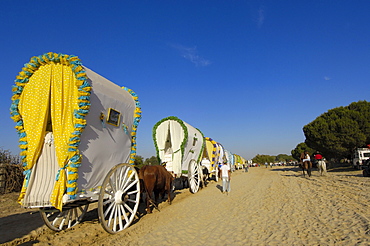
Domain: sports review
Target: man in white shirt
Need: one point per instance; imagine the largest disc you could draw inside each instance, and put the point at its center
(226, 175)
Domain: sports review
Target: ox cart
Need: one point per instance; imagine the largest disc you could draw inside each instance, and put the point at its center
(77, 134)
(180, 146)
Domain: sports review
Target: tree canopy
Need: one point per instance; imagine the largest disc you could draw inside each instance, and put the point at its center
(151, 161)
(139, 161)
(263, 158)
(300, 148)
(283, 158)
(339, 131)
(270, 158)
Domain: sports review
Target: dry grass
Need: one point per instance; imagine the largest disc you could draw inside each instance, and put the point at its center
(11, 178)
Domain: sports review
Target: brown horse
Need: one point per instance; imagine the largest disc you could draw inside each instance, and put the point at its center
(306, 163)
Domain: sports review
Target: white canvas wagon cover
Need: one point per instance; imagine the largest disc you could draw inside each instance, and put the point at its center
(230, 159)
(177, 143)
(74, 126)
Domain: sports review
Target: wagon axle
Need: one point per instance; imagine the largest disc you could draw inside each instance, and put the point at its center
(120, 197)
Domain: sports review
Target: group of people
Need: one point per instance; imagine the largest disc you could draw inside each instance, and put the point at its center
(226, 171)
(266, 164)
(321, 165)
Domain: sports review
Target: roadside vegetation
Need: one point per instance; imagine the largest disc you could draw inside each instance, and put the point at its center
(338, 132)
(11, 172)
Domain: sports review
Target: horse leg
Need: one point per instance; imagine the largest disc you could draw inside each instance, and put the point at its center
(168, 191)
(148, 202)
(183, 182)
(155, 203)
(156, 197)
(149, 197)
(169, 197)
(319, 167)
(323, 168)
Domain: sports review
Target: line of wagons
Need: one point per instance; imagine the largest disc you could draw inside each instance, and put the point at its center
(77, 135)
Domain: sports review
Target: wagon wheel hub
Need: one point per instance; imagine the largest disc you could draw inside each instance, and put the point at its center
(120, 197)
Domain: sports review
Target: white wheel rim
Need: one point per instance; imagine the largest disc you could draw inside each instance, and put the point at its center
(119, 198)
(194, 176)
(57, 220)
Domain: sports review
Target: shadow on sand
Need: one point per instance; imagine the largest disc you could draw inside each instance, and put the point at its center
(14, 223)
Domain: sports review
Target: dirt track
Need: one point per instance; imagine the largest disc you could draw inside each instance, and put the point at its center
(266, 206)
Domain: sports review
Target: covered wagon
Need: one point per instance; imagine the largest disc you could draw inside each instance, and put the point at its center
(230, 160)
(244, 162)
(213, 157)
(77, 133)
(239, 162)
(180, 146)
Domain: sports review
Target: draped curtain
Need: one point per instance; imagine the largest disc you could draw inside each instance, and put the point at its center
(177, 137)
(161, 135)
(50, 90)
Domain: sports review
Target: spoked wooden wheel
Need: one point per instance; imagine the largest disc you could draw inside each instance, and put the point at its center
(216, 173)
(119, 198)
(194, 176)
(69, 217)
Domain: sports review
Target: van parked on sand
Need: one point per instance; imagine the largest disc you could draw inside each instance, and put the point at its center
(360, 156)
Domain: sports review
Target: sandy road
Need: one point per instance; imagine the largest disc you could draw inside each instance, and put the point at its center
(266, 206)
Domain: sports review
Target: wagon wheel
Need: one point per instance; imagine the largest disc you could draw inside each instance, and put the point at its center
(194, 176)
(216, 173)
(60, 220)
(119, 198)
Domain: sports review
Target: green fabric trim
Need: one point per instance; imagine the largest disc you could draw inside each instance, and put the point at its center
(203, 146)
(182, 146)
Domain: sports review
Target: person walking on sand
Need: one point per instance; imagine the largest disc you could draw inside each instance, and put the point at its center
(226, 175)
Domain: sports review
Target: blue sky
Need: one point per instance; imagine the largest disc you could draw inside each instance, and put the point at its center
(249, 74)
